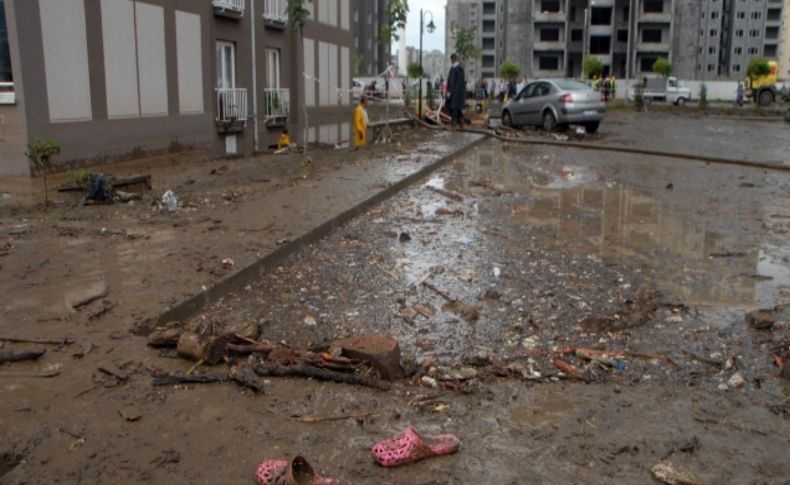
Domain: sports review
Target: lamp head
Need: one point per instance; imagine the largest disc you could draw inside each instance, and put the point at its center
(431, 27)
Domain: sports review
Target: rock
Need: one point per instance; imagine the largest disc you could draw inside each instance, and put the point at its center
(89, 293)
(460, 374)
(763, 319)
(736, 381)
(429, 381)
(667, 473)
(383, 353)
(310, 321)
(404, 237)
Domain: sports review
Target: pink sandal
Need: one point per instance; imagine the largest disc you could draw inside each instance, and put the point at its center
(410, 447)
(297, 472)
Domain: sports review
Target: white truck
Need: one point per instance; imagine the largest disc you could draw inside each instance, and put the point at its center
(665, 89)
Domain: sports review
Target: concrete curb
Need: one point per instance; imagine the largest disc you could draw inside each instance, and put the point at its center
(196, 303)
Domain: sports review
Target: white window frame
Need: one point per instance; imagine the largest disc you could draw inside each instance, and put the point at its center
(273, 68)
(223, 62)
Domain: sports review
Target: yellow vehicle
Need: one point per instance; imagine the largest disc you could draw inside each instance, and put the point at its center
(762, 89)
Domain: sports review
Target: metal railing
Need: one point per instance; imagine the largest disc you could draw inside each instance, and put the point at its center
(278, 102)
(276, 11)
(7, 94)
(231, 5)
(231, 105)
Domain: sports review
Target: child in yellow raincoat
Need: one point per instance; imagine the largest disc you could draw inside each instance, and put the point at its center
(361, 123)
(285, 140)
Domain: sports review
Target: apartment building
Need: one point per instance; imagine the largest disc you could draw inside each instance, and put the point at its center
(704, 39)
(111, 79)
(371, 51)
(784, 47)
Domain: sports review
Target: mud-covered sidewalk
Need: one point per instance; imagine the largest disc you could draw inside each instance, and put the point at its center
(573, 316)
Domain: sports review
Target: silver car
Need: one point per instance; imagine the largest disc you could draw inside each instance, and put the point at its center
(554, 104)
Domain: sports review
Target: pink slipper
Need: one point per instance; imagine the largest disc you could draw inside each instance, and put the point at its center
(410, 447)
(298, 472)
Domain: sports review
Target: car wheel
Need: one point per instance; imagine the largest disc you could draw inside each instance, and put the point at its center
(681, 102)
(506, 119)
(549, 121)
(592, 127)
(766, 98)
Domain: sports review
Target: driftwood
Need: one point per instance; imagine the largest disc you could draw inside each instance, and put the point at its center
(247, 377)
(196, 347)
(166, 335)
(302, 370)
(47, 373)
(320, 419)
(450, 195)
(15, 355)
(40, 341)
(173, 379)
(287, 356)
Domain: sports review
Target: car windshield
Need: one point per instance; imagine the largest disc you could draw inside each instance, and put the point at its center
(568, 85)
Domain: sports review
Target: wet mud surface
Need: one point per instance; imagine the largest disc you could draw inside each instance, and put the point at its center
(536, 251)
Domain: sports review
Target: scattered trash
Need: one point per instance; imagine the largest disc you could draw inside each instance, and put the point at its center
(310, 321)
(497, 272)
(404, 237)
(667, 473)
(169, 202)
(424, 310)
(81, 297)
(410, 447)
(763, 319)
(382, 353)
(98, 190)
(429, 381)
(227, 263)
(736, 381)
(199, 348)
(670, 186)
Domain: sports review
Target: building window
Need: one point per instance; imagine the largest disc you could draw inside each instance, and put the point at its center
(273, 68)
(752, 51)
(699, 67)
(754, 33)
(714, 15)
(600, 44)
(572, 14)
(737, 51)
(576, 35)
(714, 32)
(741, 15)
(5, 52)
(550, 6)
(736, 68)
(757, 15)
(651, 36)
(601, 16)
(548, 63)
(356, 15)
(646, 64)
(653, 6)
(711, 50)
(549, 35)
(739, 33)
(711, 67)
(226, 65)
(626, 13)
(699, 50)
(622, 35)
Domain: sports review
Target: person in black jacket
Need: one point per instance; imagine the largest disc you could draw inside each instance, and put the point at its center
(456, 91)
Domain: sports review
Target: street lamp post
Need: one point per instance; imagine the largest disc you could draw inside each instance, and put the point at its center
(431, 27)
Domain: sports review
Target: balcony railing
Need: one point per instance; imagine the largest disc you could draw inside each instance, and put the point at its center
(7, 94)
(275, 11)
(278, 105)
(232, 106)
(229, 8)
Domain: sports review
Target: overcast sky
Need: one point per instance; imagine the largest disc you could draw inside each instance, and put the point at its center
(429, 41)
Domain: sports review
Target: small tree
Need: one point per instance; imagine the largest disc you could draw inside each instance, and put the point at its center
(465, 42)
(397, 13)
(415, 71)
(40, 152)
(509, 70)
(592, 67)
(662, 67)
(758, 66)
(703, 97)
(297, 16)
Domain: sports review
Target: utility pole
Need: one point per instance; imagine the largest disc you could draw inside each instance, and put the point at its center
(255, 143)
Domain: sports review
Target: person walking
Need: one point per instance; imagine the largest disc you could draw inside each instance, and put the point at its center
(456, 91)
(361, 123)
(739, 95)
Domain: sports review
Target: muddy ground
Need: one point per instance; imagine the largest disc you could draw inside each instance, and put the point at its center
(554, 249)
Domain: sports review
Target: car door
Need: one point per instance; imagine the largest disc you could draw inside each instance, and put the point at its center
(521, 105)
(541, 97)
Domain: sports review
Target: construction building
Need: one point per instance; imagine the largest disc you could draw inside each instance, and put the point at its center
(703, 39)
(111, 79)
(371, 50)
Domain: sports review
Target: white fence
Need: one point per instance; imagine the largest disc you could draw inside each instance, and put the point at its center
(717, 90)
(232, 105)
(7, 94)
(278, 102)
(275, 10)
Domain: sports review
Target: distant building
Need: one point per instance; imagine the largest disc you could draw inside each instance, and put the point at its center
(112, 78)
(784, 47)
(703, 39)
(434, 63)
(371, 51)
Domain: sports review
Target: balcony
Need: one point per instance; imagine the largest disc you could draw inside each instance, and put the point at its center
(275, 13)
(278, 106)
(233, 9)
(655, 18)
(553, 17)
(7, 94)
(659, 47)
(231, 110)
(549, 46)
